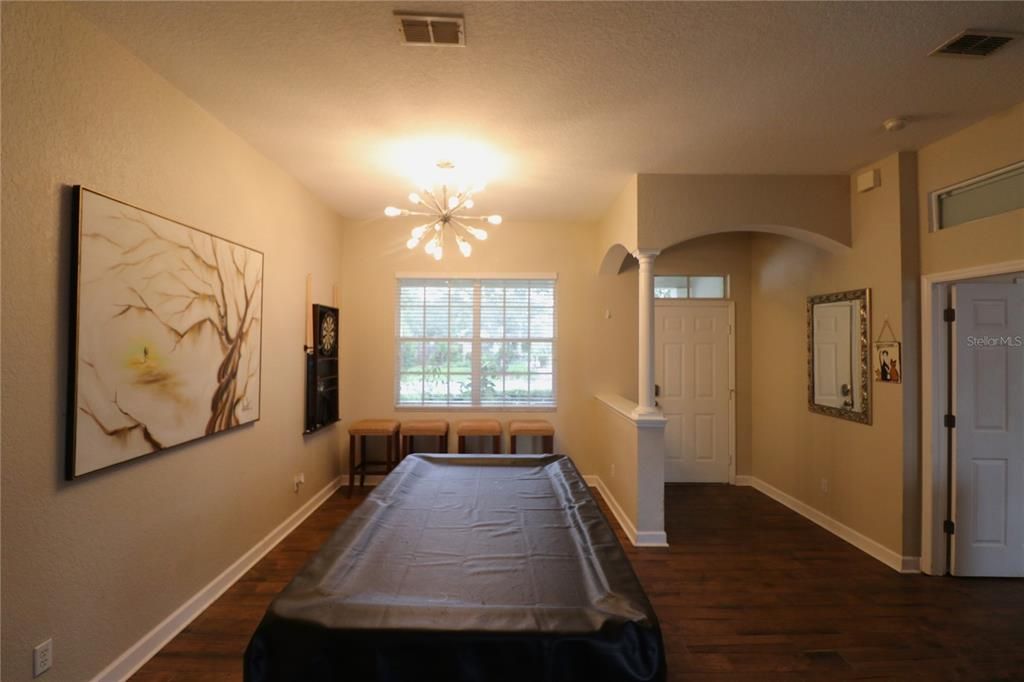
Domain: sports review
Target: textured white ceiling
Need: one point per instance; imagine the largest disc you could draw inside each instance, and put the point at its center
(573, 97)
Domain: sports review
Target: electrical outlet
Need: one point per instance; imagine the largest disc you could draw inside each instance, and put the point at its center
(42, 658)
(613, 470)
(299, 479)
(824, 485)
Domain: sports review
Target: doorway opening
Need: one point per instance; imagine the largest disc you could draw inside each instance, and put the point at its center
(973, 422)
(695, 385)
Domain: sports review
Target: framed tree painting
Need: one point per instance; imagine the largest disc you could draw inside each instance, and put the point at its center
(166, 334)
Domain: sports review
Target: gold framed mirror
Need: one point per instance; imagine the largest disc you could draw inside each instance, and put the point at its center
(839, 355)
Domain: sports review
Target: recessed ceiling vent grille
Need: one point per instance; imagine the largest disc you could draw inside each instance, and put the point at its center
(419, 29)
(973, 43)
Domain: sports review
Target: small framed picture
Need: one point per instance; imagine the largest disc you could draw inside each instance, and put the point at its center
(888, 363)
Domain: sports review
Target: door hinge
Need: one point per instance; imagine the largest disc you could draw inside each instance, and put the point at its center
(948, 527)
(949, 315)
(949, 421)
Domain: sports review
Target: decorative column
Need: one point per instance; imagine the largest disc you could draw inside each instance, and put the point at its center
(645, 403)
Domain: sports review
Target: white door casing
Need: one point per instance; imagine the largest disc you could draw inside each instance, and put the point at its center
(988, 440)
(833, 360)
(694, 370)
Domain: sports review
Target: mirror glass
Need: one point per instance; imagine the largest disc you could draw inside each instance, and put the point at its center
(838, 363)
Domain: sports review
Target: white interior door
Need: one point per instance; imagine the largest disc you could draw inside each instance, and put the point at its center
(988, 453)
(693, 370)
(833, 369)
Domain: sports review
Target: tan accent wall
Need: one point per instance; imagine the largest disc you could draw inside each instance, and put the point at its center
(993, 143)
(794, 449)
(675, 208)
(96, 563)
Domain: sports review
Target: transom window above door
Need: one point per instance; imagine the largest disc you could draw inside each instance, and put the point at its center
(475, 342)
(691, 286)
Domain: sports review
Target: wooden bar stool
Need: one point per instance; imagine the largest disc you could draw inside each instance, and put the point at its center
(437, 428)
(357, 435)
(480, 428)
(533, 427)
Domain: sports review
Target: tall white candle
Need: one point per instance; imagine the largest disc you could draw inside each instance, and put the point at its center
(309, 311)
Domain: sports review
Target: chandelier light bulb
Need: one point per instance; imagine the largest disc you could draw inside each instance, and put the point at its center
(444, 207)
(433, 245)
(477, 232)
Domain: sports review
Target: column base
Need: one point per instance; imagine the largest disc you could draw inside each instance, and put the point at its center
(641, 412)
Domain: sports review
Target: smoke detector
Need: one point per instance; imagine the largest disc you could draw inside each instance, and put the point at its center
(432, 29)
(973, 43)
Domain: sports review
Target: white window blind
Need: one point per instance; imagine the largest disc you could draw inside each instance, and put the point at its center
(480, 342)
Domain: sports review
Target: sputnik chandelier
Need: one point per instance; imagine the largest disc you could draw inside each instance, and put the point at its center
(444, 211)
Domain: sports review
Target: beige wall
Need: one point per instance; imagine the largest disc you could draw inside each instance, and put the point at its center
(98, 562)
(612, 444)
(993, 143)
(375, 252)
(619, 225)
(615, 321)
(674, 208)
(794, 449)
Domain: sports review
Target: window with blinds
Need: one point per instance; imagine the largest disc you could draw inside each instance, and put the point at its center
(475, 343)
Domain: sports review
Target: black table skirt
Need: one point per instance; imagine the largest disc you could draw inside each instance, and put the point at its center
(465, 568)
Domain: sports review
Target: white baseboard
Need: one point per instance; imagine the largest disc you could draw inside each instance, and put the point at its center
(651, 538)
(136, 656)
(902, 564)
(639, 539)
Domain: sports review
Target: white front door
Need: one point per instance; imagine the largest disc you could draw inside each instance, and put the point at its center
(833, 371)
(988, 482)
(693, 371)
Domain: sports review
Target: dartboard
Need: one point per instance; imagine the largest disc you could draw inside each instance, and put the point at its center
(328, 334)
(322, 370)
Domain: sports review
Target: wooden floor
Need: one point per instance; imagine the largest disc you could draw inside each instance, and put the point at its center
(747, 590)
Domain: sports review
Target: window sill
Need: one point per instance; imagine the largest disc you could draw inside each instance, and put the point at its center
(475, 408)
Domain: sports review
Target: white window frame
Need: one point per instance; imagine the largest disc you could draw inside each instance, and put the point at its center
(725, 288)
(478, 279)
(934, 209)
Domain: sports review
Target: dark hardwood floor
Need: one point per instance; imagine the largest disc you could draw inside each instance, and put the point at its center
(747, 590)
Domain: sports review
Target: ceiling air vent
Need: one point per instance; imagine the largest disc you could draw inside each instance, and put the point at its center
(973, 43)
(419, 29)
